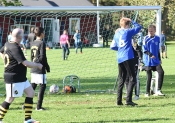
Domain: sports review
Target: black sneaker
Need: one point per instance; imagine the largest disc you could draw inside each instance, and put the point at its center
(131, 103)
(119, 103)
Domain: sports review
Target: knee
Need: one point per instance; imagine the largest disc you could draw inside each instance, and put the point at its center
(9, 99)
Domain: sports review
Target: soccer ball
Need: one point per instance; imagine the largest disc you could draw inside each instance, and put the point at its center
(69, 89)
(54, 89)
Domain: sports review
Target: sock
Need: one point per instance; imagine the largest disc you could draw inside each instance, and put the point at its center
(28, 105)
(3, 109)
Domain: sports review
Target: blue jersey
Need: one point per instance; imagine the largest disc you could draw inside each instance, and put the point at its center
(122, 42)
(151, 44)
(77, 37)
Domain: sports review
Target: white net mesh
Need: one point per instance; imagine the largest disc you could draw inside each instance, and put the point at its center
(96, 67)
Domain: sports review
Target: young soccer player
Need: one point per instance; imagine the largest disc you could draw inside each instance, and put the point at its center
(15, 76)
(38, 55)
(31, 37)
(163, 46)
(78, 43)
(152, 59)
(122, 42)
(64, 44)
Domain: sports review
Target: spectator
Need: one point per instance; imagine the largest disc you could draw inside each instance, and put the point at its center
(10, 36)
(105, 35)
(163, 46)
(31, 37)
(78, 43)
(64, 44)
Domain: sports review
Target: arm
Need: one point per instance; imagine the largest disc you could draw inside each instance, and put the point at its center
(43, 58)
(145, 50)
(32, 64)
(135, 29)
(2, 52)
(113, 45)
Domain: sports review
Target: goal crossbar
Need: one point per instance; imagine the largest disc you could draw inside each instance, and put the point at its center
(78, 8)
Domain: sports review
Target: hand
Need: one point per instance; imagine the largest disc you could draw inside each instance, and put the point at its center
(127, 19)
(40, 66)
(153, 57)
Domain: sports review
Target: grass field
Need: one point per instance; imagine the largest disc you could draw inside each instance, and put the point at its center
(97, 70)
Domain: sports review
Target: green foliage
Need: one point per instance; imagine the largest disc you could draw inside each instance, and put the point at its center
(11, 3)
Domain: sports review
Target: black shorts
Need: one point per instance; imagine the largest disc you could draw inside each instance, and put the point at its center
(153, 68)
(163, 49)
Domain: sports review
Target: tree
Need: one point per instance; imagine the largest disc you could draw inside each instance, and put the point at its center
(11, 3)
(148, 17)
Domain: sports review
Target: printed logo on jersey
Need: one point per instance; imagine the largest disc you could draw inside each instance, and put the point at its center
(16, 92)
(121, 42)
(6, 60)
(34, 50)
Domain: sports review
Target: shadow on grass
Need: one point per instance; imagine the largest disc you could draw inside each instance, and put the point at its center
(128, 120)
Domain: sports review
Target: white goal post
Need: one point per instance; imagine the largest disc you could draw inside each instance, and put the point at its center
(56, 19)
(99, 8)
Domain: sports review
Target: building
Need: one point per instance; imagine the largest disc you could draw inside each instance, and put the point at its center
(53, 22)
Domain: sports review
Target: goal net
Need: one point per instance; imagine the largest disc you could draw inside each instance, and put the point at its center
(95, 67)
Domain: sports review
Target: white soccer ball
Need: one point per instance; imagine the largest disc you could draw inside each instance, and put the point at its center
(54, 89)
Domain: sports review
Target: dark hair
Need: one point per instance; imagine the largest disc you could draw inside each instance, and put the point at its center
(38, 31)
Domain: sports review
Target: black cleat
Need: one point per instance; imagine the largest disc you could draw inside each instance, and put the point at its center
(131, 104)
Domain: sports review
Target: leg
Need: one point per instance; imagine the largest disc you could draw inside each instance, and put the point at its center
(148, 83)
(28, 104)
(5, 106)
(161, 76)
(122, 77)
(129, 65)
(41, 96)
(81, 46)
(64, 52)
(106, 42)
(34, 86)
(76, 47)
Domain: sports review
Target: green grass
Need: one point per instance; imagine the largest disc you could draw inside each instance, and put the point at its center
(97, 70)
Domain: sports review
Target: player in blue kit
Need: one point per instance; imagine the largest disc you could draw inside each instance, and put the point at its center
(122, 42)
(152, 59)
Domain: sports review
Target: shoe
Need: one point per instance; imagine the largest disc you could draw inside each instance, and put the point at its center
(159, 93)
(136, 97)
(131, 103)
(22, 108)
(147, 95)
(1, 121)
(40, 109)
(162, 57)
(31, 121)
(119, 103)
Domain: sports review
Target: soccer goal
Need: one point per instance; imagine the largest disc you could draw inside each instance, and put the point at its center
(96, 67)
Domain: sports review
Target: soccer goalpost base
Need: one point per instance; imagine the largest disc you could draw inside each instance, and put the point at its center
(91, 21)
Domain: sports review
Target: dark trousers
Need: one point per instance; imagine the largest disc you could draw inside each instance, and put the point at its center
(149, 77)
(78, 44)
(126, 68)
(137, 85)
(65, 51)
(40, 94)
(105, 40)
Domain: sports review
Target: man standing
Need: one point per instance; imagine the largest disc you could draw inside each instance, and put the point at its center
(152, 59)
(31, 37)
(15, 76)
(122, 42)
(1, 31)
